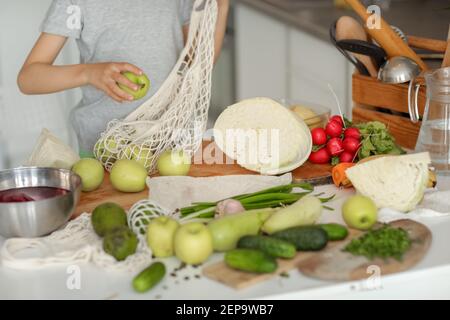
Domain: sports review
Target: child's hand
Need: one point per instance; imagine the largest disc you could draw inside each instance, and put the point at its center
(105, 76)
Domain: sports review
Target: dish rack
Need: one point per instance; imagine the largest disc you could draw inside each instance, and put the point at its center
(388, 103)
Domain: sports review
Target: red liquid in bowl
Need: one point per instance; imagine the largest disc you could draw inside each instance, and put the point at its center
(30, 194)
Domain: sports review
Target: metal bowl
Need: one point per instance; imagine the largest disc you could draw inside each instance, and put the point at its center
(41, 217)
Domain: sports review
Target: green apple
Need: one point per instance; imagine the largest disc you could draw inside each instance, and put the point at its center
(193, 243)
(174, 163)
(106, 150)
(359, 212)
(91, 172)
(160, 236)
(141, 80)
(143, 155)
(128, 176)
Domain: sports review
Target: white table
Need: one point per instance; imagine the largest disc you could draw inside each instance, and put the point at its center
(427, 280)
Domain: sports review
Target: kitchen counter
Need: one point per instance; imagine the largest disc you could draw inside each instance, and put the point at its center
(429, 279)
(424, 18)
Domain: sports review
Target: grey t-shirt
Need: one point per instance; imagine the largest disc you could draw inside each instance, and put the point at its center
(146, 33)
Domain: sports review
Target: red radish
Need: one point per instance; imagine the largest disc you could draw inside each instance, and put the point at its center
(334, 147)
(346, 157)
(351, 145)
(320, 156)
(319, 136)
(333, 129)
(352, 132)
(337, 118)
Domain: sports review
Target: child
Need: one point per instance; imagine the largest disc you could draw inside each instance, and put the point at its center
(113, 36)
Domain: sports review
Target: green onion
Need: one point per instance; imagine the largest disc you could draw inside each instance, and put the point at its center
(269, 198)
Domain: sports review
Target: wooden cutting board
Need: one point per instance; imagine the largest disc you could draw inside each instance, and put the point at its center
(206, 164)
(334, 264)
(331, 263)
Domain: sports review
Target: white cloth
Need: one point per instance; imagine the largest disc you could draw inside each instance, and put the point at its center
(178, 192)
(434, 204)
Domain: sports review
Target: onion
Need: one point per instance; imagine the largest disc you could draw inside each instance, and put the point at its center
(228, 207)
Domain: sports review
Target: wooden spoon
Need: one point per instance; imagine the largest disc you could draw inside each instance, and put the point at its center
(446, 61)
(349, 28)
(386, 37)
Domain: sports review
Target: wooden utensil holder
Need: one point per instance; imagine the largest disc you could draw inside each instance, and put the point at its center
(388, 103)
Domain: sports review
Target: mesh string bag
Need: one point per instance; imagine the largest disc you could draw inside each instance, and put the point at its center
(175, 117)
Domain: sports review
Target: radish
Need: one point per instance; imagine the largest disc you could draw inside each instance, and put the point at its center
(353, 133)
(333, 129)
(335, 147)
(351, 145)
(338, 119)
(319, 136)
(346, 157)
(320, 156)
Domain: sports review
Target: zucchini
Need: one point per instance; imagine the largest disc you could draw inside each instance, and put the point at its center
(149, 277)
(305, 238)
(335, 231)
(250, 260)
(272, 246)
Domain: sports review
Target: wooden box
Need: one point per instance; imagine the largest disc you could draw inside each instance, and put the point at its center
(388, 103)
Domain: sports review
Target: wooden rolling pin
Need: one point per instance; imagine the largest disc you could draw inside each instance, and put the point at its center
(386, 37)
(446, 61)
(427, 44)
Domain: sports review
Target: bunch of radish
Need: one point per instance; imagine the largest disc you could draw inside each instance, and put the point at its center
(335, 143)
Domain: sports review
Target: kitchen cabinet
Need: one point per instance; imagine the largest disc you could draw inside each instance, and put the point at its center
(313, 65)
(280, 61)
(261, 55)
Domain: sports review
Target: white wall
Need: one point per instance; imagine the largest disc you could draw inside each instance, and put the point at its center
(22, 117)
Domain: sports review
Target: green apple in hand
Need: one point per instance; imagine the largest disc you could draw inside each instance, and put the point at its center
(160, 236)
(193, 243)
(91, 172)
(359, 212)
(141, 80)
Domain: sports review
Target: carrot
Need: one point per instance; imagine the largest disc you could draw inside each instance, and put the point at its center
(338, 173)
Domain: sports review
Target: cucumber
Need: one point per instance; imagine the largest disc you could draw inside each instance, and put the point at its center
(335, 231)
(272, 246)
(250, 260)
(149, 277)
(305, 238)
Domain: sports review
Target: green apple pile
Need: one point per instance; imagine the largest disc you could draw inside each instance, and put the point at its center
(91, 172)
(141, 154)
(128, 176)
(191, 242)
(174, 163)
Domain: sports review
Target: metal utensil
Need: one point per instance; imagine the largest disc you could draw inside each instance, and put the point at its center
(398, 70)
(365, 48)
(349, 29)
(386, 37)
(400, 33)
(41, 217)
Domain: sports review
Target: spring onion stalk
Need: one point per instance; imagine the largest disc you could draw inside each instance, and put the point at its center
(269, 198)
(325, 200)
